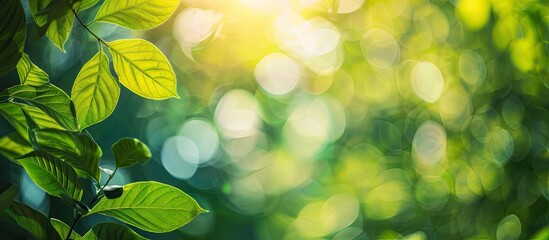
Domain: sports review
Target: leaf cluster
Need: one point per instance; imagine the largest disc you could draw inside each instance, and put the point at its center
(50, 140)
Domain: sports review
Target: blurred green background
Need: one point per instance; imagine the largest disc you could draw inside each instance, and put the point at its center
(327, 119)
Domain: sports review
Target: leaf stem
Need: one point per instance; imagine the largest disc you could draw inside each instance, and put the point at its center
(91, 202)
(87, 29)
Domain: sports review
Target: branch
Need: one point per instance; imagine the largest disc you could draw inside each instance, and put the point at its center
(87, 29)
(92, 201)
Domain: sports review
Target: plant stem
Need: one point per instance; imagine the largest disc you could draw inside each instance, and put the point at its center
(91, 202)
(87, 29)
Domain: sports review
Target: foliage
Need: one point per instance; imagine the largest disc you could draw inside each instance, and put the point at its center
(50, 140)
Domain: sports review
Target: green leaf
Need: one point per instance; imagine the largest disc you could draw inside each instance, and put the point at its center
(63, 229)
(33, 221)
(85, 4)
(95, 91)
(13, 113)
(48, 98)
(54, 18)
(79, 206)
(136, 14)
(12, 34)
(8, 192)
(107, 231)
(151, 206)
(13, 146)
(128, 151)
(51, 174)
(77, 149)
(143, 68)
(30, 74)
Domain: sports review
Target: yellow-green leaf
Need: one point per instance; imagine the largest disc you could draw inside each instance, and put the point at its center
(136, 14)
(30, 74)
(13, 32)
(95, 91)
(142, 68)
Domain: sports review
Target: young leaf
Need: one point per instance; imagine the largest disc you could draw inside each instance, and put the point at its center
(51, 174)
(63, 229)
(151, 206)
(107, 230)
(8, 192)
(95, 91)
(128, 151)
(30, 74)
(13, 146)
(143, 68)
(136, 14)
(33, 221)
(12, 35)
(77, 149)
(48, 98)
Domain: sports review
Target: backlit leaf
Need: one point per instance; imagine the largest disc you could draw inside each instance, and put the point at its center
(13, 113)
(50, 99)
(77, 149)
(151, 206)
(54, 18)
(30, 74)
(8, 192)
(136, 14)
(33, 221)
(143, 68)
(128, 151)
(51, 174)
(13, 146)
(63, 229)
(95, 91)
(12, 35)
(107, 230)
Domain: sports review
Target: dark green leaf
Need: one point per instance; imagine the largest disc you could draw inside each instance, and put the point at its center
(30, 74)
(79, 206)
(51, 174)
(151, 206)
(114, 191)
(50, 99)
(34, 222)
(107, 231)
(77, 149)
(128, 151)
(95, 91)
(63, 229)
(13, 32)
(13, 146)
(8, 192)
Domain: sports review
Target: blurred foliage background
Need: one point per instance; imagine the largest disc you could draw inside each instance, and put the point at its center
(335, 119)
